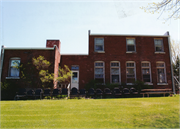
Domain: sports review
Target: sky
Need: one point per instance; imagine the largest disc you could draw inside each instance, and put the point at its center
(29, 23)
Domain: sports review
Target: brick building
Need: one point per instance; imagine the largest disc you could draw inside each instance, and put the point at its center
(111, 59)
(24, 56)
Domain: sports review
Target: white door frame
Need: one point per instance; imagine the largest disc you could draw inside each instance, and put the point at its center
(75, 83)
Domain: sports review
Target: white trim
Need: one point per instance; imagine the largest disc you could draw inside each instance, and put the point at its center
(131, 52)
(10, 48)
(161, 68)
(129, 35)
(162, 83)
(100, 67)
(9, 70)
(100, 51)
(162, 45)
(160, 52)
(131, 67)
(149, 70)
(134, 45)
(12, 77)
(77, 71)
(119, 72)
(129, 83)
(148, 83)
(95, 44)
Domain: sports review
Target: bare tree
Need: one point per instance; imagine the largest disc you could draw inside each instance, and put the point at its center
(175, 50)
(170, 6)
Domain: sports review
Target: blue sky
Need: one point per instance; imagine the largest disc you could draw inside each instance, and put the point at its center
(29, 23)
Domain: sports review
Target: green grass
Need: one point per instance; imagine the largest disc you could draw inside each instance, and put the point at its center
(156, 112)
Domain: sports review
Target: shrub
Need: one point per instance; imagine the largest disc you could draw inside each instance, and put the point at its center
(47, 97)
(138, 85)
(111, 86)
(91, 84)
(8, 90)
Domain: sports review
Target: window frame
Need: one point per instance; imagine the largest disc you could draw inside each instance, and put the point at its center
(114, 74)
(161, 44)
(164, 67)
(149, 71)
(100, 67)
(95, 44)
(134, 71)
(9, 71)
(134, 45)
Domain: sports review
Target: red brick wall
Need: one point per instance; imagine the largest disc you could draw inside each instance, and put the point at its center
(26, 56)
(56, 65)
(115, 50)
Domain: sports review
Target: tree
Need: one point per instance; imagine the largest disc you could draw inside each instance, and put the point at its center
(64, 75)
(42, 66)
(176, 67)
(170, 6)
(175, 51)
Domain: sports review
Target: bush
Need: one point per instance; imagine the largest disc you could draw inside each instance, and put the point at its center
(8, 90)
(111, 86)
(61, 96)
(91, 84)
(47, 97)
(138, 85)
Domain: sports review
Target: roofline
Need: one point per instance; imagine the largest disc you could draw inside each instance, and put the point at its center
(74, 54)
(129, 35)
(11, 48)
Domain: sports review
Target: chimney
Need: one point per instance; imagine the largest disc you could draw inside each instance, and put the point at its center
(51, 43)
(167, 33)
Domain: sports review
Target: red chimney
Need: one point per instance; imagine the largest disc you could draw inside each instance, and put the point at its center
(51, 43)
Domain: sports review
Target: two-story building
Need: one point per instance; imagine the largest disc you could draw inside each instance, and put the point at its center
(111, 59)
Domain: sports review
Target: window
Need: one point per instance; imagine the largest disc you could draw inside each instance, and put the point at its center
(99, 71)
(115, 72)
(146, 71)
(14, 67)
(158, 45)
(130, 72)
(99, 44)
(161, 74)
(130, 45)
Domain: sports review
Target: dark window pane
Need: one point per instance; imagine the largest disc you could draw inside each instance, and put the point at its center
(99, 76)
(115, 78)
(130, 48)
(146, 78)
(99, 48)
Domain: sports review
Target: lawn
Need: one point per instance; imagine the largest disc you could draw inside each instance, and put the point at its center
(154, 112)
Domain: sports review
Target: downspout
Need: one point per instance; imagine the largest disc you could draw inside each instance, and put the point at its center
(171, 64)
(2, 59)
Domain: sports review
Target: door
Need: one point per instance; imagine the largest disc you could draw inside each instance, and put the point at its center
(75, 79)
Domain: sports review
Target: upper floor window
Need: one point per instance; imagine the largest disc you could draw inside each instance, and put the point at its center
(115, 72)
(161, 74)
(131, 46)
(130, 72)
(158, 45)
(99, 71)
(14, 67)
(146, 71)
(99, 44)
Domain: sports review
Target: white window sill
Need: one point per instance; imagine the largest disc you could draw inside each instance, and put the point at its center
(162, 83)
(129, 84)
(148, 83)
(100, 51)
(160, 53)
(12, 77)
(131, 52)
